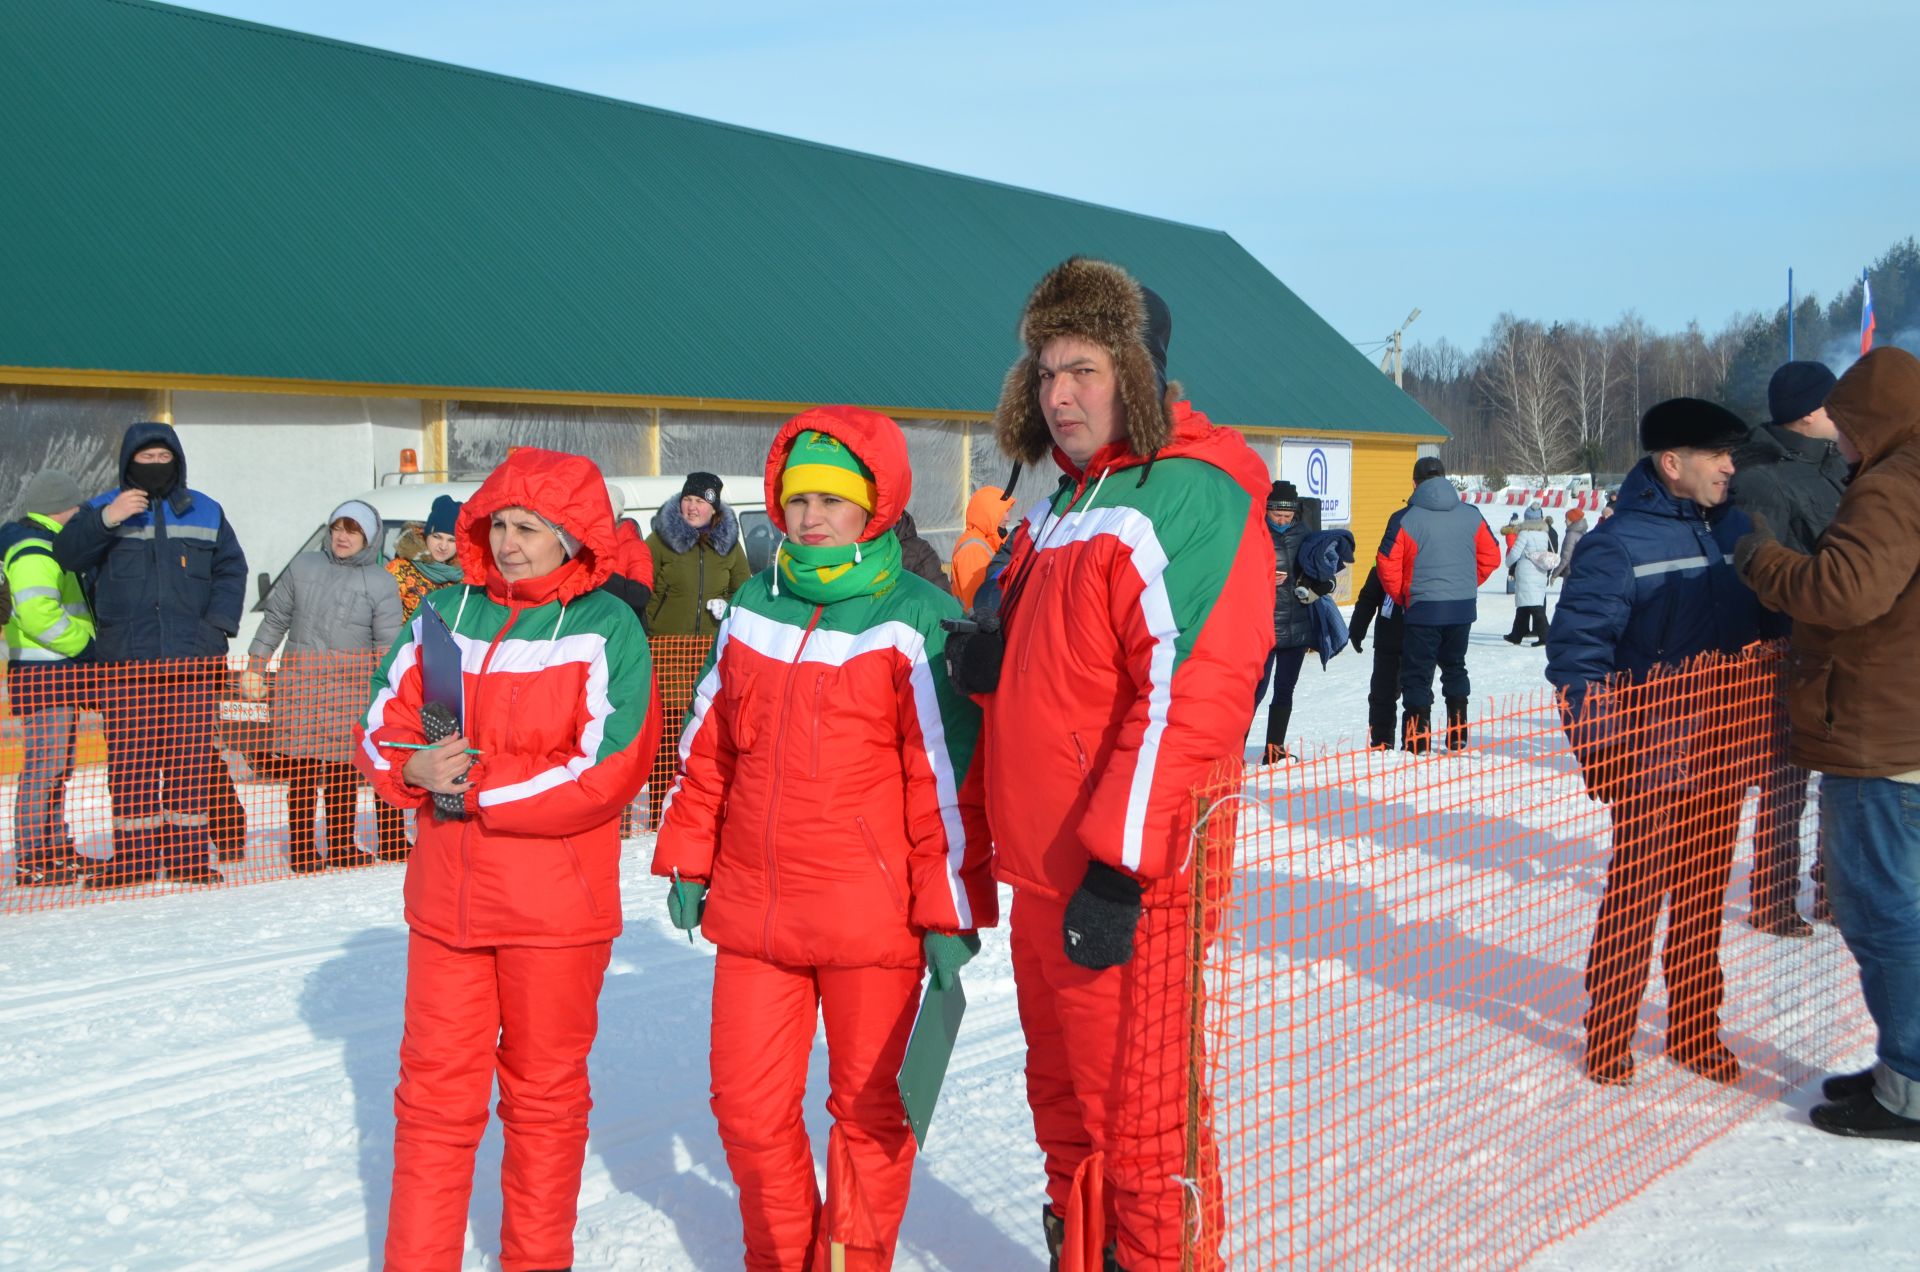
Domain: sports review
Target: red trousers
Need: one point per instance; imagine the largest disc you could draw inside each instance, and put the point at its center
(1107, 1059)
(763, 1025)
(526, 1015)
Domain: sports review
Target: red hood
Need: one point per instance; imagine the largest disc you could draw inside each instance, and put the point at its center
(1194, 437)
(630, 554)
(878, 442)
(567, 490)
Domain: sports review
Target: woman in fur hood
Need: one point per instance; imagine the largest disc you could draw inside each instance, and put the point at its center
(698, 561)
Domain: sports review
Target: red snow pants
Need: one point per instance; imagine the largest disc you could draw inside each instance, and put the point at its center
(763, 1025)
(527, 1015)
(1107, 1057)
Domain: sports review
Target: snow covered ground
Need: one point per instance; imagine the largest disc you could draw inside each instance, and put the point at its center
(205, 1079)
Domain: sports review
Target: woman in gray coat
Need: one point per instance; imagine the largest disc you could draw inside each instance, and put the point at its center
(329, 606)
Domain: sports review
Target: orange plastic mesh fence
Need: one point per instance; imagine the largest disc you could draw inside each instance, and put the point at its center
(1415, 1052)
(130, 779)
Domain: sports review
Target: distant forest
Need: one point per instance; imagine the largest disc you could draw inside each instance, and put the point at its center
(1558, 397)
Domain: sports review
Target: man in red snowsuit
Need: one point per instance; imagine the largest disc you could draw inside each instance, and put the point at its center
(1137, 608)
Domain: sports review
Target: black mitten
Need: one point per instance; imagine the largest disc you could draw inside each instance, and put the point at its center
(1101, 917)
(973, 659)
(437, 721)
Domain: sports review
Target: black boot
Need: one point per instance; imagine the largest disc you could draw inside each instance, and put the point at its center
(1277, 719)
(1456, 724)
(1414, 732)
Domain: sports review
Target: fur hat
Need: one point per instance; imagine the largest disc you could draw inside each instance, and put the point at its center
(1103, 304)
(1690, 422)
(1283, 497)
(1797, 390)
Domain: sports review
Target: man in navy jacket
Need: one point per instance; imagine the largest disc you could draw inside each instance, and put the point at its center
(1654, 586)
(168, 579)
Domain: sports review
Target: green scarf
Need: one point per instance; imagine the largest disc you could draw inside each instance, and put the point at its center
(824, 575)
(441, 572)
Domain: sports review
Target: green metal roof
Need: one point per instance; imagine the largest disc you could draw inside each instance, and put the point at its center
(194, 195)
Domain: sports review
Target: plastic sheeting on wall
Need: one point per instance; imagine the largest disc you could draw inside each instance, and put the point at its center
(75, 430)
(480, 433)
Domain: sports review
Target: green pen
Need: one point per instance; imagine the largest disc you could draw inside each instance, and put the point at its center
(423, 746)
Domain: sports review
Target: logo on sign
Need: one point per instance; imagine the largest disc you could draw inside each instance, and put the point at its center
(1317, 473)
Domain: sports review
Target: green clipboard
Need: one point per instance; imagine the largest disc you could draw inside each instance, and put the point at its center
(928, 1050)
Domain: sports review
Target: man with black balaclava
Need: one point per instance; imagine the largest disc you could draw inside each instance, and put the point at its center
(168, 580)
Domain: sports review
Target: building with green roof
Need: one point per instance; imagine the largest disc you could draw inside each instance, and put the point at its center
(234, 226)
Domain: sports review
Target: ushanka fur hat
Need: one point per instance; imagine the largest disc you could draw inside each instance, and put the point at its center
(1101, 303)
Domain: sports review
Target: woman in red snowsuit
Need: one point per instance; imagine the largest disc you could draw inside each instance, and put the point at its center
(827, 797)
(513, 906)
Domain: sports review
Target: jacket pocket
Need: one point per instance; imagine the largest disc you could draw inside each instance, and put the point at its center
(1810, 693)
(1080, 754)
(580, 876)
(873, 847)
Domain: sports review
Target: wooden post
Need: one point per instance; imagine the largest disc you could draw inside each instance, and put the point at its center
(433, 438)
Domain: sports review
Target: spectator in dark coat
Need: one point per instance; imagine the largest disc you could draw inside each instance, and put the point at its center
(698, 561)
(1653, 586)
(917, 555)
(168, 581)
(1293, 595)
(1791, 475)
(1376, 609)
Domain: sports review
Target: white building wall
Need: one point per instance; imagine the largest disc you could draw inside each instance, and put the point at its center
(279, 463)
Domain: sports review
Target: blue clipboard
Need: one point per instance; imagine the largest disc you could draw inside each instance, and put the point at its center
(440, 676)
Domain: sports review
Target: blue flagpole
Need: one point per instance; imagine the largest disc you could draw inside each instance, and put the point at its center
(1789, 313)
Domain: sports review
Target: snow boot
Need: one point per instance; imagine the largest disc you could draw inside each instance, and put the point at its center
(1415, 735)
(1844, 1086)
(1277, 721)
(46, 873)
(1456, 724)
(1865, 1117)
(1709, 1058)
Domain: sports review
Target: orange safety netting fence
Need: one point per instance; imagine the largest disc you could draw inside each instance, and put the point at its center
(136, 778)
(1422, 1042)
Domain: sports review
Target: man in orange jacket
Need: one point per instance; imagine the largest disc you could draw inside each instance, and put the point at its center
(986, 521)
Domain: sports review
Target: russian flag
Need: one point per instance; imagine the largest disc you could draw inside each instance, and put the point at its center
(1866, 315)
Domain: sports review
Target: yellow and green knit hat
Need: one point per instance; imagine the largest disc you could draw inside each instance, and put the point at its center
(821, 464)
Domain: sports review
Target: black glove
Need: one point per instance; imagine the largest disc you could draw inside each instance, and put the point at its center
(1101, 917)
(1750, 544)
(438, 724)
(973, 654)
(1355, 640)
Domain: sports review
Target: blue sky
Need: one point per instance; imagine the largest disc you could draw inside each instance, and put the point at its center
(1560, 160)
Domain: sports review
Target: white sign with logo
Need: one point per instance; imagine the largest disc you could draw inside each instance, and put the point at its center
(1323, 471)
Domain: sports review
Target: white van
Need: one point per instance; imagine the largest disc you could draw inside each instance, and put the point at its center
(636, 499)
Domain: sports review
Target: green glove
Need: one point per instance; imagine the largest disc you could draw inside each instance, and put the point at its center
(947, 954)
(686, 900)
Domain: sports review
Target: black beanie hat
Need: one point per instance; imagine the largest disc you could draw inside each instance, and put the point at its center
(1690, 422)
(703, 486)
(1797, 390)
(1283, 497)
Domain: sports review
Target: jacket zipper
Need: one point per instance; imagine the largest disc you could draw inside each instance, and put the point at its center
(773, 799)
(873, 846)
(1026, 647)
(1080, 753)
(700, 584)
(819, 688)
(466, 823)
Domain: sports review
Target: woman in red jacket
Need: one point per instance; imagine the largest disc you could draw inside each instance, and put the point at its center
(512, 904)
(827, 818)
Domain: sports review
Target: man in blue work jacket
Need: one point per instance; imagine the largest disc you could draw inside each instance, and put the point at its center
(168, 579)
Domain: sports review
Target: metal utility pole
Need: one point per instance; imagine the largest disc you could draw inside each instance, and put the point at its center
(1390, 361)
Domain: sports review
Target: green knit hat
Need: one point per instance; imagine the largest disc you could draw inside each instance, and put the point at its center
(820, 463)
